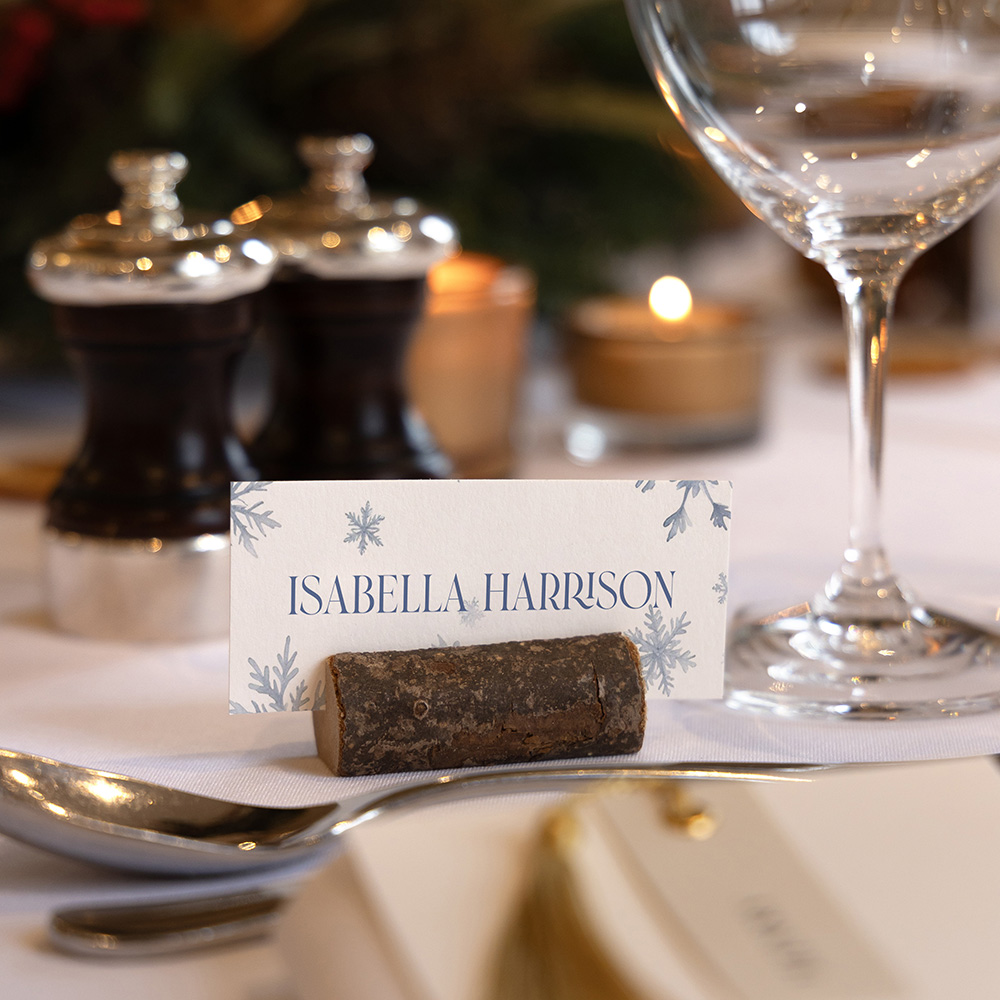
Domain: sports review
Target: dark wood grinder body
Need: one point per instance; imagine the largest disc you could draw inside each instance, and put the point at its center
(159, 447)
(340, 408)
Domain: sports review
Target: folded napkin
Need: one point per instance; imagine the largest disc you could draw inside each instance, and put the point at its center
(852, 883)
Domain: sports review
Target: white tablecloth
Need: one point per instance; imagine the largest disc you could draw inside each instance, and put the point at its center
(160, 711)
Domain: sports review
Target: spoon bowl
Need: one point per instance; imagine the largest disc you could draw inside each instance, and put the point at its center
(126, 823)
(134, 825)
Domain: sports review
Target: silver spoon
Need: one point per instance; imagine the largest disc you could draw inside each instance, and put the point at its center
(140, 930)
(127, 823)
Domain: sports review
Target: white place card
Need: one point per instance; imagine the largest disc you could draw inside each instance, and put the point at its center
(758, 922)
(326, 567)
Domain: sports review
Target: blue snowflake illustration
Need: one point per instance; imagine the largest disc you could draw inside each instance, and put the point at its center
(722, 588)
(473, 613)
(660, 650)
(273, 683)
(679, 521)
(364, 528)
(248, 518)
(645, 485)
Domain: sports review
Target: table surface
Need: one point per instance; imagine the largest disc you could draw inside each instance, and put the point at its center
(155, 712)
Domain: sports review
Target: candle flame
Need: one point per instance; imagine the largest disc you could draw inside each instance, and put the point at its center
(464, 273)
(670, 299)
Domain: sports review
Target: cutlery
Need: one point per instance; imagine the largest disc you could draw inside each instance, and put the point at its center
(135, 825)
(144, 930)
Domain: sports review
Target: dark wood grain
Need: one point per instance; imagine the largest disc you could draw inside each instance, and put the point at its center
(159, 447)
(339, 406)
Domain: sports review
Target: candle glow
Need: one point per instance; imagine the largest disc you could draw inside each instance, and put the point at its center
(670, 299)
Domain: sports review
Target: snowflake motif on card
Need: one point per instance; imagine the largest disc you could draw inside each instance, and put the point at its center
(645, 485)
(364, 528)
(473, 613)
(722, 588)
(444, 644)
(247, 518)
(679, 521)
(661, 654)
(273, 683)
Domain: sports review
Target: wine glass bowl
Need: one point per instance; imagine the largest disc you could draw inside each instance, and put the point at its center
(863, 132)
(846, 129)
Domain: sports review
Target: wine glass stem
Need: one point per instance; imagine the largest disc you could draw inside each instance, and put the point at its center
(865, 581)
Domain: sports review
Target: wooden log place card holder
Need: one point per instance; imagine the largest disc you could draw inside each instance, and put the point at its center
(437, 624)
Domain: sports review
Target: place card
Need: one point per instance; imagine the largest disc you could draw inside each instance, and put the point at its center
(324, 567)
(758, 922)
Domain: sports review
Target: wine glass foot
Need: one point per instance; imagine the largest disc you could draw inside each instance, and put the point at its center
(797, 664)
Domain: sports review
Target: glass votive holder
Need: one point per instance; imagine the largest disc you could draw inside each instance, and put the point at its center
(643, 381)
(466, 361)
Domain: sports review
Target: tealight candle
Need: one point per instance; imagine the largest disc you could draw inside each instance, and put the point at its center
(667, 371)
(465, 364)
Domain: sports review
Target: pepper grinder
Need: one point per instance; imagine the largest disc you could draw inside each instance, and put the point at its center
(346, 299)
(154, 311)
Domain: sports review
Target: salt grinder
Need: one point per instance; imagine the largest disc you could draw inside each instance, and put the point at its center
(346, 298)
(154, 311)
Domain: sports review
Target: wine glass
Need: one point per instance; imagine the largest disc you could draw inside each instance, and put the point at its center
(862, 131)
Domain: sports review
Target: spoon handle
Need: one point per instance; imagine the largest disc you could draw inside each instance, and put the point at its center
(148, 929)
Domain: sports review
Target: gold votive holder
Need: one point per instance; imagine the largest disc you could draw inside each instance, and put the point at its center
(465, 365)
(645, 381)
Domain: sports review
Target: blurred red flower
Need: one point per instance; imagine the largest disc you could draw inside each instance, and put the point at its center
(27, 31)
(25, 34)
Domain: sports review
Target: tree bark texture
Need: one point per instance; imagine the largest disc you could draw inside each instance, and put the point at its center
(501, 703)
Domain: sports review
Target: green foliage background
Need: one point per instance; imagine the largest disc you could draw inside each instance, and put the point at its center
(533, 123)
